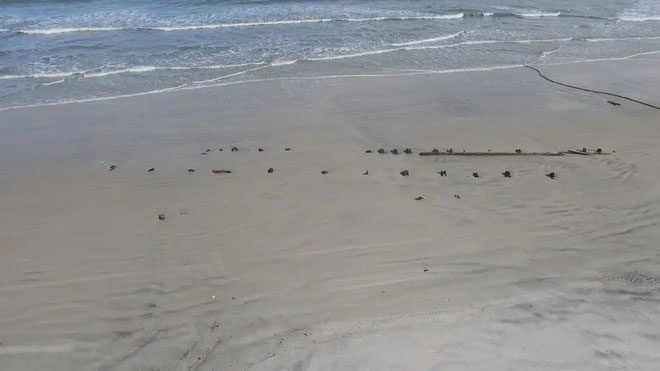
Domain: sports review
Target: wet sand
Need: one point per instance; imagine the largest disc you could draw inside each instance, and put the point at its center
(295, 269)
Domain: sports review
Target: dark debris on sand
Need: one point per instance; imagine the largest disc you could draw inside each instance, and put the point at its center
(507, 174)
(551, 175)
(404, 173)
(112, 167)
(221, 171)
(270, 170)
(151, 170)
(324, 172)
(161, 216)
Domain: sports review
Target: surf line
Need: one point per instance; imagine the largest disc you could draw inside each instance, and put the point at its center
(590, 90)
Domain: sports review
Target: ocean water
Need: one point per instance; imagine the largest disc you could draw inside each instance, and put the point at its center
(57, 51)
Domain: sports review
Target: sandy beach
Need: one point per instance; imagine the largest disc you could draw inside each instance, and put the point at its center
(299, 270)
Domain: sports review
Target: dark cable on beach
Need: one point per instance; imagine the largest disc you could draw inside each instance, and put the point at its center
(590, 90)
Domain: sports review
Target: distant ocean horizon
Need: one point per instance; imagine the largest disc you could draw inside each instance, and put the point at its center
(59, 51)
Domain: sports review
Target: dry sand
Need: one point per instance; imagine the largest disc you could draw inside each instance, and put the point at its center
(299, 270)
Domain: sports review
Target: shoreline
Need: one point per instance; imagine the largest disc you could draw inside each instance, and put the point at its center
(187, 87)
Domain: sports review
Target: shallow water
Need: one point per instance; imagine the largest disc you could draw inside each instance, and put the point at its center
(58, 51)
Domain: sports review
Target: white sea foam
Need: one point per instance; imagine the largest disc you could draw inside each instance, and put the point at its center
(283, 62)
(228, 75)
(624, 38)
(537, 15)
(137, 69)
(549, 52)
(429, 40)
(462, 43)
(640, 18)
(51, 31)
(401, 46)
(53, 82)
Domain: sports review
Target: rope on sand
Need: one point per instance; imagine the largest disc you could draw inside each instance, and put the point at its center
(435, 152)
(590, 90)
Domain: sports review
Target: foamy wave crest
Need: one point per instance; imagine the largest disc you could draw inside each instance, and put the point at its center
(51, 31)
(423, 47)
(623, 38)
(53, 82)
(283, 62)
(303, 21)
(537, 15)
(640, 18)
(137, 69)
(430, 40)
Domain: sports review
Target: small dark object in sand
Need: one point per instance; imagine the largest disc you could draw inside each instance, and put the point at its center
(615, 104)
(426, 269)
(404, 173)
(381, 151)
(287, 149)
(443, 173)
(407, 151)
(419, 198)
(450, 150)
(208, 150)
(435, 150)
(324, 172)
(219, 149)
(551, 175)
(518, 150)
(584, 149)
(234, 149)
(270, 170)
(112, 167)
(476, 175)
(507, 174)
(366, 172)
(161, 216)
(368, 151)
(395, 151)
(151, 170)
(191, 170)
(221, 171)
(203, 153)
(260, 149)
(599, 150)
(457, 197)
